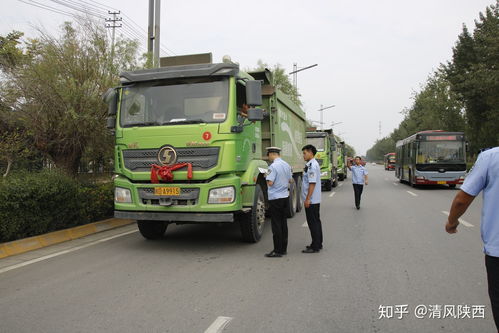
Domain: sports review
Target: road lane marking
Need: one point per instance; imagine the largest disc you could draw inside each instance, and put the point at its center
(32, 261)
(331, 195)
(218, 325)
(412, 193)
(463, 222)
(305, 224)
(340, 185)
(396, 184)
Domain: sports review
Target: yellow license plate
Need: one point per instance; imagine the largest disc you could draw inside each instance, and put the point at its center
(441, 182)
(167, 191)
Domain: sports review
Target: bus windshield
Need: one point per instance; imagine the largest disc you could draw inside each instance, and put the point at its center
(439, 152)
(187, 102)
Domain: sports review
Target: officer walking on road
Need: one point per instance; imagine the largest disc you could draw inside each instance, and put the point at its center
(359, 178)
(483, 177)
(311, 196)
(278, 178)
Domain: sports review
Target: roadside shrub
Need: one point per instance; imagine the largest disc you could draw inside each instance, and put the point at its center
(36, 203)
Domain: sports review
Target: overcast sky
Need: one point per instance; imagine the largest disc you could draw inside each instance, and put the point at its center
(372, 55)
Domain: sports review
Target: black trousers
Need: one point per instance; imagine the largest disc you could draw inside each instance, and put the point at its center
(492, 265)
(357, 190)
(315, 225)
(279, 218)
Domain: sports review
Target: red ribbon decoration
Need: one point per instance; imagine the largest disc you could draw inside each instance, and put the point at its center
(165, 172)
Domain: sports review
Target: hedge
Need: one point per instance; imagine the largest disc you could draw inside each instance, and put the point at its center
(36, 203)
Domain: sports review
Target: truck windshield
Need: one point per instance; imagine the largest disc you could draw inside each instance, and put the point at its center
(318, 143)
(179, 102)
(441, 152)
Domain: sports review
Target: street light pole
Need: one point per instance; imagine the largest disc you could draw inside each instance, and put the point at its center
(321, 110)
(295, 73)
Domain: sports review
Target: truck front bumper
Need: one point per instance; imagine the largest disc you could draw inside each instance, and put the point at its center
(175, 217)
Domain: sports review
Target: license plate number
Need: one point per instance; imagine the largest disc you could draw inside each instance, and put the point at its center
(174, 191)
(442, 182)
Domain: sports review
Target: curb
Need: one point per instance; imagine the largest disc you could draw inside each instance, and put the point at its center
(37, 242)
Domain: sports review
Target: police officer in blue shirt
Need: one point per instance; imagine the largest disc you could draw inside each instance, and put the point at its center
(359, 179)
(311, 196)
(483, 177)
(278, 177)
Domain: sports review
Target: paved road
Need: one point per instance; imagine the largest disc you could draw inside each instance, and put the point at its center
(393, 251)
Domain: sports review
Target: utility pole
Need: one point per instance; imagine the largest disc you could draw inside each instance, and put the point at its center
(112, 24)
(150, 31)
(157, 21)
(321, 110)
(295, 73)
(153, 40)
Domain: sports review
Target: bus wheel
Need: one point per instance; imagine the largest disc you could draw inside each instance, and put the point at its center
(152, 229)
(452, 185)
(252, 223)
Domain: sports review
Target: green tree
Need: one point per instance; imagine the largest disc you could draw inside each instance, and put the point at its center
(474, 77)
(281, 80)
(59, 88)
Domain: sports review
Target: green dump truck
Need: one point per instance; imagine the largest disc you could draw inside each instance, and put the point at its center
(342, 161)
(327, 156)
(189, 150)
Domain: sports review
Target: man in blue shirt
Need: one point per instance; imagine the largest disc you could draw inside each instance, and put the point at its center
(359, 178)
(278, 178)
(311, 196)
(483, 177)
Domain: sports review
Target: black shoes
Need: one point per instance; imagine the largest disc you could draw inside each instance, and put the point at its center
(358, 207)
(310, 250)
(310, 246)
(273, 254)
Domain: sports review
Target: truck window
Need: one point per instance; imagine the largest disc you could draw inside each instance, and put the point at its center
(164, 103)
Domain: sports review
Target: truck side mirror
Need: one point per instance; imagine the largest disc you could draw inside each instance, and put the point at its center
(111, 122)
(110, 97)
(255, 114)
(253, 93)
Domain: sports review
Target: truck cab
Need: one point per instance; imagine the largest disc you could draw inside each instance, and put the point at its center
(190, 142)
(327, 156)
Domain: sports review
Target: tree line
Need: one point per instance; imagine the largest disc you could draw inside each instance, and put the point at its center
(461, 95)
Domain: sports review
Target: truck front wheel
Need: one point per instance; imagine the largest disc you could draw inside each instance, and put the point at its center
(252, 223)
(152, 229)
(328, 185)
(292, 200)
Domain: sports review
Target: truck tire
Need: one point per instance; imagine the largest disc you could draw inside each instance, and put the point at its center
(299, 203)
(292, 200)
(152, 229)
(340, 177)
(328, 185)
(335, 181)
(252, 223)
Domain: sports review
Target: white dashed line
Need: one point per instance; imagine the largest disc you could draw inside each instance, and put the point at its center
(29, 262)
(412, 193)
(396, 184)
(305, 224)
(463, 222)
(331, 195)
(218, 325)
(340, 185)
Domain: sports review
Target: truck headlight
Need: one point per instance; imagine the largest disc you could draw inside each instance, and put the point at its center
(324, 174)
(222, 195)
(122, 195)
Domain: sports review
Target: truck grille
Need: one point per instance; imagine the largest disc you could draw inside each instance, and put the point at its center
(188, 196)
(142, 159)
